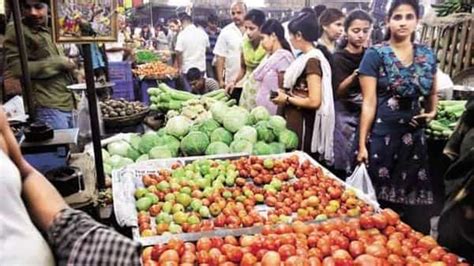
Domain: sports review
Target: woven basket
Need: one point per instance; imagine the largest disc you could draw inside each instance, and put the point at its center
(131, 120)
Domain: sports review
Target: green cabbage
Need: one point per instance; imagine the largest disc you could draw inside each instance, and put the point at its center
(222, 135)
(218, 110)
(178, 126)
(105, 155)
(142, 158)
(289, 139)
(107, 169)
(209, 126)
(260, 113)
(133, 154)
(217, 148)
(277, 147)
(135, 141)
(262, 148)
(246, 133)
(114, 160)
(264, 132)
(147, 142)
(118, 148)
(277, 123)
(160, 152)
(195, 143)
(241, 146)
(235, 119)
(169, 141)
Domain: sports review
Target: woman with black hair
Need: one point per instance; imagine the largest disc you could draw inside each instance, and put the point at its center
(348, 98)
(393, 77)
(270, 72)
(332, 25)
(307, 100)
(252, 54)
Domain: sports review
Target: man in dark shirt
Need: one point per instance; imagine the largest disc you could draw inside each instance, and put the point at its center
(49, 69)
(213, 32)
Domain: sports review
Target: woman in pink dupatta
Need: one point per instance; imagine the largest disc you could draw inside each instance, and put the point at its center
(270, 72)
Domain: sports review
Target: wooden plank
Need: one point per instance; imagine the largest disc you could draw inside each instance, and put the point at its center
(431, 38)
(462, 50)
(453, 51)
(438, 38)
(468, 59)
(423, 34)
(447, 40)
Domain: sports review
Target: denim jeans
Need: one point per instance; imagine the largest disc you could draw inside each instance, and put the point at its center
(57, 119)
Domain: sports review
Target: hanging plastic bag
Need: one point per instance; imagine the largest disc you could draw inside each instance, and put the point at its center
(360, 179)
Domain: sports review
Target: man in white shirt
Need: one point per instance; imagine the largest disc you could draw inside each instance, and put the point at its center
(228, 48)
(191, 46)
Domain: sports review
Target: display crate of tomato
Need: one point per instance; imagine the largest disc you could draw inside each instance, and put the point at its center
(371, 239)
(201, 194)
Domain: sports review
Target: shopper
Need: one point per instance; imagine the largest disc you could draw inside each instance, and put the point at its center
(161, 39)
(394, 75)
(174, 27)
(252, 54)
(200, 84)
(269, 74)
(332, 25)
(348, 98)
(30, 204)
(49, 69)
(228, 49)
(191, 46)
(145, 36)
(213, 32)
(307, 100)
(117, 51)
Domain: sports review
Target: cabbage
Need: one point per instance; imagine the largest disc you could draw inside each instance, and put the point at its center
(178, 126)
(218, 110)
(118, 148)
(124, 162)
(107, 169)
(142, 158)
(277, 147)
(264, 133)
(135, 141)
(161, 132)
(114, 160)
(105, 155)
(169, 141)
(246, 133)
(277, 123)
(222, 135)
(160, 152)
(235, 119)
(133, 154)
(147, 142)
(241, 146)
(289, 139)
(209, 126)
(260, 113)
(217, 148)
(262, 148)
(195, 143)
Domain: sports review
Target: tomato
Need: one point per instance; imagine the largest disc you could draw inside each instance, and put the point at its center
(176, 244)
(437, 253)
(214, 255)
(392, 217)
(377, 250)
(395, 247)
(312, 241)
(146, 254)
(356, 248)
(271, 258)
(427, 242)
(287, 239)
(204, 243)
(169, 255)
(286, 251)
(267, 229)
(296, 261)
(324, 246)
(329, 261)
(188, 257)
(232, 240)
(341, 255)
(301, 228)
(248, 260)
(366, 221)
(314, 261)
(217, 242)
(450, 259)
(234, 254)
(367, 260)
(403, 228)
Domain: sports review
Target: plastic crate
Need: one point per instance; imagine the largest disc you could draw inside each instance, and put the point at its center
(120, 71)
(124, 89)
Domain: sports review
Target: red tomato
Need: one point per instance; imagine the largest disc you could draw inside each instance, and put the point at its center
(450, 259)
(437, 253)
(286, 251)
(176, 244)
(392, 217)
(204, 243)
(367, 260)
(271, 258)
(248, 260)
(169, 255)
(356, 248)
(377, 250)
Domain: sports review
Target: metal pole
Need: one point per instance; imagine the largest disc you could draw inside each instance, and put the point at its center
(94, 115)
(26, 79)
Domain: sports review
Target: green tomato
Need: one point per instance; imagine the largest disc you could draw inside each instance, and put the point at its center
(167, 207)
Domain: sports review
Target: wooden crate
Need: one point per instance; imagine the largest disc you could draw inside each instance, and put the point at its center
(451, 39)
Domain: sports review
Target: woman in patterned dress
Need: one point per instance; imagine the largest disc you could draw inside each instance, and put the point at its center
(394, 76)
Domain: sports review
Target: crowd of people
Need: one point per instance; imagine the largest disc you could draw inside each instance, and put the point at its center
(348, 99)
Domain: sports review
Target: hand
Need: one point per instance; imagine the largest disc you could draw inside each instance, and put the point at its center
(281, 98)
(68, 64)
(422, 119)
(222, 84)
(363, 155)
(230, 88)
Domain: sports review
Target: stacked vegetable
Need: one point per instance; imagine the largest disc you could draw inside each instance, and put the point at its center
(448, 114)
(120, 108)
(155, 70)
(165, 98)
(146, 56)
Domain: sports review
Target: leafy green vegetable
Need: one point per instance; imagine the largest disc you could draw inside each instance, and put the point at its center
(277, 147)
(235, 119)
(178, 126)
(219, 110)
(169, 141)
(217, 148)
(246, 133)
(277, 123)
(105, 155)
(147, 142)
(118, 148)
(264, 132)
(107, 169)
(241, 146)
(135, 141)
(289, 139)
(262, 148)
(260, 113)
(209, 126)
(195, 143)
(133, 154)
(142, 158)
(160, 152)
(222, 135)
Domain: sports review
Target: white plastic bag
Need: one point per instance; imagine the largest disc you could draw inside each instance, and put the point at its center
(360, 179)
